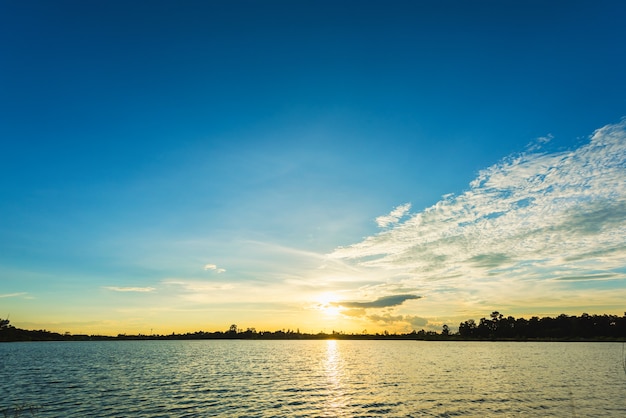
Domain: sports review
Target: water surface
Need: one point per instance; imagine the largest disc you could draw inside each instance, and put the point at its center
(243, 378)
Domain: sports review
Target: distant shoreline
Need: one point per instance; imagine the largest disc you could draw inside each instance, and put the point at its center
(564, 328)
(20, 335)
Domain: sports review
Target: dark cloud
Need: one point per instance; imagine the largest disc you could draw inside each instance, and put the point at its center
(595, 217)
(416, 321)
(600, 276)
(387, 319)
(383, 302)
(490, 260)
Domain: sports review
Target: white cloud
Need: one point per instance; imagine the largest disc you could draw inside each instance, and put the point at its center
(130, 289)
(532, 222)
(214, 268)
(394, 216)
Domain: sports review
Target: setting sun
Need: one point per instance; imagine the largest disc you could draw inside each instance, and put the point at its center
(327, 304)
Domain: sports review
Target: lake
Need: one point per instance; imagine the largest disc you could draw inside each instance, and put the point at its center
(247, 378)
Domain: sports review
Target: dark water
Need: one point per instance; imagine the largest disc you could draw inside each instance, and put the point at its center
(313, 378)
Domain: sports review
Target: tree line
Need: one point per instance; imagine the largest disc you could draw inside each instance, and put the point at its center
(564, 327)
(496, 327)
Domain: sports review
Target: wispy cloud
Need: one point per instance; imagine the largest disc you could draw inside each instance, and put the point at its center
(539, 142)
(533, 222)
(12, 295)
(130, 289)
(198, 286)
(394, 216)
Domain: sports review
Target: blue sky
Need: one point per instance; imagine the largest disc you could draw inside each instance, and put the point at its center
(318, 165)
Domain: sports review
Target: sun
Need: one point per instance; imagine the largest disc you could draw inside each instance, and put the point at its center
(327, 304)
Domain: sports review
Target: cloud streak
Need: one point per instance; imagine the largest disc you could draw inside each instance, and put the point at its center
(130, 289)
(12, 295)
(383, 302)
(532, 218)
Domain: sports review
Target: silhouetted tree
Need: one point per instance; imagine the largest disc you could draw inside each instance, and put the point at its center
(532, 329)
(467, 329)
(506, 327)
(561, 327)
(521, 327)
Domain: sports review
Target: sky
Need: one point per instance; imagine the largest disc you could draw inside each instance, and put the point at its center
(316, 165)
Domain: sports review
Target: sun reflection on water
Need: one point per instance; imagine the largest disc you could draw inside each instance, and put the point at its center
(333, 368)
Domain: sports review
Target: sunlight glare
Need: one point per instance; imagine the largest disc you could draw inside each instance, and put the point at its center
(327, 304)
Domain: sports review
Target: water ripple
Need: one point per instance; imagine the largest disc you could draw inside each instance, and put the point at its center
(312, 378)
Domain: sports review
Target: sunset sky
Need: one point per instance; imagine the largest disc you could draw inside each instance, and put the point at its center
(174, 166)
